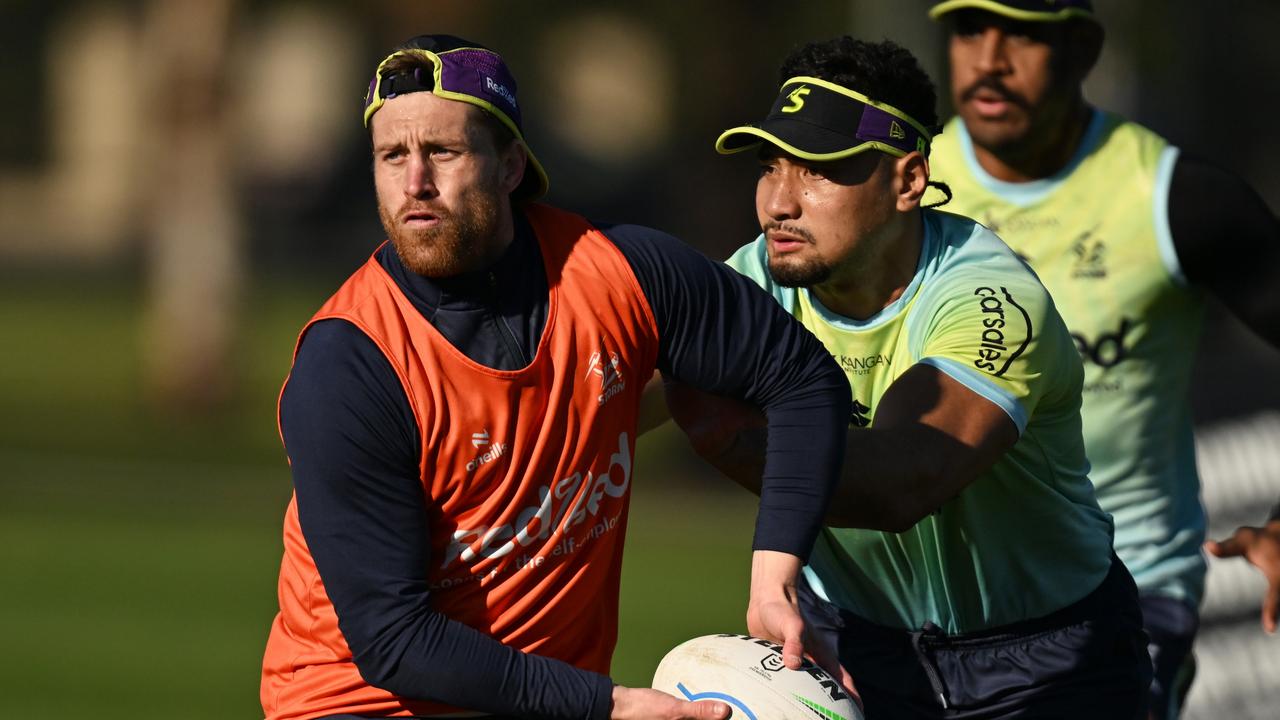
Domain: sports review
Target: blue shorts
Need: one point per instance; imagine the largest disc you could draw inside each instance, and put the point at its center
(1088, 660)
(1171, 625)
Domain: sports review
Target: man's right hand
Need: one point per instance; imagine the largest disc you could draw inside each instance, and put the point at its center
(646, 704)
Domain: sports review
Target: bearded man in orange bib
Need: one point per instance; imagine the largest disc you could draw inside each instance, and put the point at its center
(461, 416)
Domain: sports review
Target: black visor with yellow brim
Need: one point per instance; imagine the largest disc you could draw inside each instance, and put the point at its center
(1025, 10)
(818, 120)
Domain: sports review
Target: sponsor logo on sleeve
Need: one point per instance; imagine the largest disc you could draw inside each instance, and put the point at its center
(1000, 315)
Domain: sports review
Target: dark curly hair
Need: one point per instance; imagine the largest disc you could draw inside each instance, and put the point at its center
(883, 71)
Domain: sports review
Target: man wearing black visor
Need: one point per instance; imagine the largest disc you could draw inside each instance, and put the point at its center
(966, 570)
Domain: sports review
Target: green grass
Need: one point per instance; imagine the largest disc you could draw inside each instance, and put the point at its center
(139, 552)
(136, 589)
(71, 376)
(686, 567)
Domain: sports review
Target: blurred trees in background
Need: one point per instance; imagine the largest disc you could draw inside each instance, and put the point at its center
(183, 181)
(191, 220)
(213, 145)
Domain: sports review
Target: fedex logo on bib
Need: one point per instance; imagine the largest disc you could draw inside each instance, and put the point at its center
(562, 506)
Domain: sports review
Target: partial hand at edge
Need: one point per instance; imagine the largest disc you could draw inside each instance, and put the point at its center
(646, 704)
(1261, 547)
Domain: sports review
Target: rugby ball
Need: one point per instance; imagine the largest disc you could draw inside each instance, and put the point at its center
(747, 674)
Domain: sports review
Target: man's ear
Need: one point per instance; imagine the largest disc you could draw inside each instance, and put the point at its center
(911, 179)
(512, 159)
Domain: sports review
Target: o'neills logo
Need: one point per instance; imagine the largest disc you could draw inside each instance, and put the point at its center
(562, 504)
(994, 354)
(488, 456)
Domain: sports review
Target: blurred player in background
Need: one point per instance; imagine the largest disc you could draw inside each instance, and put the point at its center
(968, 570)
(1129, 235)
(460, 421)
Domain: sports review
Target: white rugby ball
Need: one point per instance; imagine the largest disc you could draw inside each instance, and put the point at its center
(747, 674)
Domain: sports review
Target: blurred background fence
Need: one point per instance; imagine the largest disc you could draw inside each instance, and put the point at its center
(182, 182)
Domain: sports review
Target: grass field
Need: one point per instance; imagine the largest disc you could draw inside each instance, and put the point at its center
(139, 552)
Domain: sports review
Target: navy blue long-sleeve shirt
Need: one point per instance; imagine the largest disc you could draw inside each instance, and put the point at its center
(354, 449)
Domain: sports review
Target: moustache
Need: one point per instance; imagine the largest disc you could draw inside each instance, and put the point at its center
(994, 85)
(789, 229)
